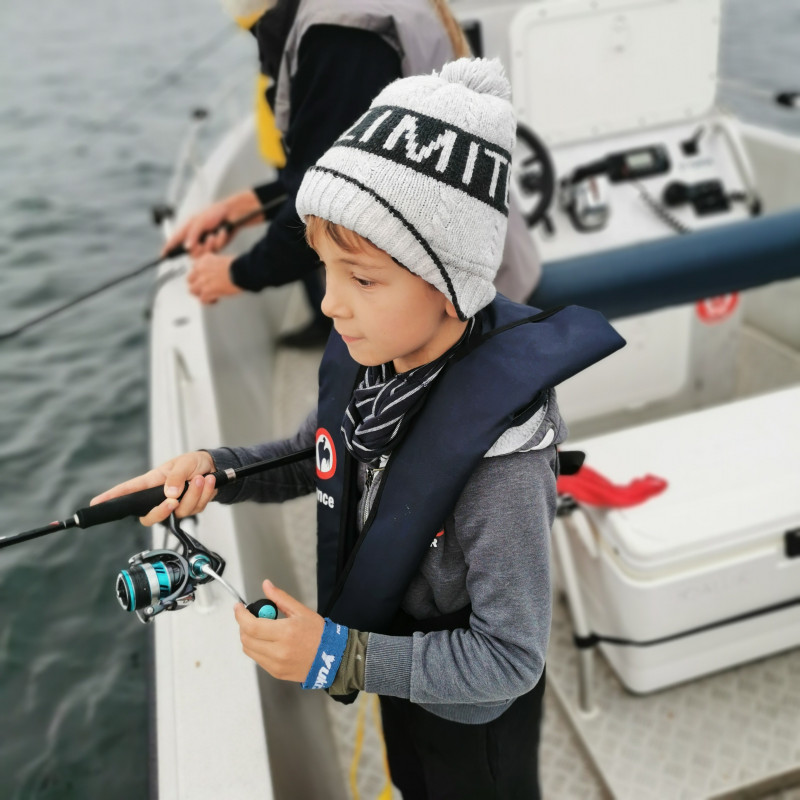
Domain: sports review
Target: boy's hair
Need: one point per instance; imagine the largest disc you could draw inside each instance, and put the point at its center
(349, 241)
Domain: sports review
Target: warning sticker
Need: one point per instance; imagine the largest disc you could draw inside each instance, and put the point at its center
(716, 309)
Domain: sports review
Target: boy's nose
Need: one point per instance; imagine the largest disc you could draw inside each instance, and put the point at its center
(332, 305)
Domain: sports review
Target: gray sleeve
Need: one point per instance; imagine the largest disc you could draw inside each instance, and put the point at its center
(502, 522)
(276, 485)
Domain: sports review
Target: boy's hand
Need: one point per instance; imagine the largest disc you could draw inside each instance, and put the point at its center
(172, 474)
(283, 647)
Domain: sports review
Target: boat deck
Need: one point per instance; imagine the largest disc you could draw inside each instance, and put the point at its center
(735, 734)
(732, 734)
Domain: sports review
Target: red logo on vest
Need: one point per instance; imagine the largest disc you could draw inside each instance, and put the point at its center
(326, 455)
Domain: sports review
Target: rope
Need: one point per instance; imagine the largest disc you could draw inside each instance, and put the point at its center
(386, 792)
(359, 743)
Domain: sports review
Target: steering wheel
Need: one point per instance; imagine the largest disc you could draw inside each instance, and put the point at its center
(534, 175)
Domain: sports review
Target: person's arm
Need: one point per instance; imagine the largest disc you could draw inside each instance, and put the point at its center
(284, 483)
(271, 196)
(275, 485)
(502, 522)
(339, 72)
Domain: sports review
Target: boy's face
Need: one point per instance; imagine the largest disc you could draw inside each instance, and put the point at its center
(382, 311)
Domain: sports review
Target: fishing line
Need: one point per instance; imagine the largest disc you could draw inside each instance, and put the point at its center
(176, 252)
(172, 76)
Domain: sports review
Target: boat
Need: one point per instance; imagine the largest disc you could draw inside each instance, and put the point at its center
(224, 728)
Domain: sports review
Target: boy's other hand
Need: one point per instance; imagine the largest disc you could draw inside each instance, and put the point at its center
(172, 475)
(210, 278)
(283, 647)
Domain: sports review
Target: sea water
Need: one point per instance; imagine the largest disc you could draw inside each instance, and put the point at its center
(95, 97)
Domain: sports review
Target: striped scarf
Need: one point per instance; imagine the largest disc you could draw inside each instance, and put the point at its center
(384, 403)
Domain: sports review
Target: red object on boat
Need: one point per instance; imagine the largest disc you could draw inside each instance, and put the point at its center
(593, 489)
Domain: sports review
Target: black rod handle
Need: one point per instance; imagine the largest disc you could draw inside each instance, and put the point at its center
(135, 504)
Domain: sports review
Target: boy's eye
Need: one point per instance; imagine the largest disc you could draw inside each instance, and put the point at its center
(363, 281)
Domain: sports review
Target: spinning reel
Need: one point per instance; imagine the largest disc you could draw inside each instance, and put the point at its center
(165, 580)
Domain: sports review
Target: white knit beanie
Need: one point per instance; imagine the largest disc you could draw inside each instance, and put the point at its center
(424, 175)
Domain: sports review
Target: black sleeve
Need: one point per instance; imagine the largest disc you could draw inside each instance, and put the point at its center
(340, 70)
(274, 485)
(269, 194)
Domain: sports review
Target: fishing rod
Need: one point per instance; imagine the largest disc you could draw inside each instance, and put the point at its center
(229, 226)
(787, 99)
(133, 105)
(137, 504)
(165, 579)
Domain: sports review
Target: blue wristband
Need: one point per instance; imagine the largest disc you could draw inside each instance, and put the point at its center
(328, 657)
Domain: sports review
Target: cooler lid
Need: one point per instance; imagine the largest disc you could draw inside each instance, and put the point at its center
(588, 68)
(733, 474)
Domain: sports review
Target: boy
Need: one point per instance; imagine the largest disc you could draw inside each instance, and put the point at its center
(435, 437)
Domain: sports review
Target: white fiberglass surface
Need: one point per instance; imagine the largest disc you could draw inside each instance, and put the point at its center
(732, 473)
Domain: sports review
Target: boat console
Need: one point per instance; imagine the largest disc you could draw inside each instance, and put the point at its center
(641, 152)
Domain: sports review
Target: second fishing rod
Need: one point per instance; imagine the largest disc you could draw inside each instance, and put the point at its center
(227, 226)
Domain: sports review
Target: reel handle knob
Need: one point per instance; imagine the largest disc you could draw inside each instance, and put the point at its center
(263, 609)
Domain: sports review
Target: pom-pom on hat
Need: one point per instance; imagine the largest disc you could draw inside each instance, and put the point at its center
(424, 175)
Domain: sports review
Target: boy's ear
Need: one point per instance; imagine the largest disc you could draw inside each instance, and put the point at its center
(450, 309)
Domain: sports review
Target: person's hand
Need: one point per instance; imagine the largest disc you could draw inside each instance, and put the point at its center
(190, 233)
(283, 647)
(210, 278)
(172, 474)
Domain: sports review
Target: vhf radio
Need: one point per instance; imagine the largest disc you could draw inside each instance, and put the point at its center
(583, 195)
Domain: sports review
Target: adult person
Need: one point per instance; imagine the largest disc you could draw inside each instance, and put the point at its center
(327, 60)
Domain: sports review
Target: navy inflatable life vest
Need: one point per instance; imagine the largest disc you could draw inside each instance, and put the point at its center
(490, 384)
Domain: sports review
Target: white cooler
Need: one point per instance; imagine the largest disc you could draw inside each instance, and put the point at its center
(722, 541)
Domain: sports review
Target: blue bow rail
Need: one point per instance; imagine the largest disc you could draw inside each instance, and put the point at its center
(676, 270)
